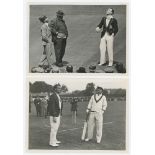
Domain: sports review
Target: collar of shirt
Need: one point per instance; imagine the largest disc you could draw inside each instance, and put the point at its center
(57, 94)
(109, 17)
(98, 96)
(46, 24)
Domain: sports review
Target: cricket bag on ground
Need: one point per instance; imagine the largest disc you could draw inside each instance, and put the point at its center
(37, 70)
(120, 67)
(40, 69)
(109, 69)
(85, 126)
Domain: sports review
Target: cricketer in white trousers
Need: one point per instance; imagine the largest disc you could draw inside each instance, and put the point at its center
(55, 125)
(97, 105)
(106, 43)
(54, 129)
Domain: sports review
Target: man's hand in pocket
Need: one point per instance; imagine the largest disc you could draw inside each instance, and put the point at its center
(54, 119)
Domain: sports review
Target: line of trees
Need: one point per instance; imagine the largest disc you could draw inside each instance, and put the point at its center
(41, 86)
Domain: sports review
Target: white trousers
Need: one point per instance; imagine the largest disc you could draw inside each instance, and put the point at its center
(95, 118)
(106, 43)
(54, 129)
(46, 56)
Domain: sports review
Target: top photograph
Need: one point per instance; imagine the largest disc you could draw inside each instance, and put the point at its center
(77, 39)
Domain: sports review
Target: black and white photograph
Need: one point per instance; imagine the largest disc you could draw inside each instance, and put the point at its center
(77, 38)
(77, 114)
(48, 106)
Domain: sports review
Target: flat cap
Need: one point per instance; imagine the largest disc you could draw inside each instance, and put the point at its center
(81, 70)
(69, 69)
(92, 68)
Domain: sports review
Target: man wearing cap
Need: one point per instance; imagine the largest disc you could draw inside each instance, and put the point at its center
(55, 110)
(109, 28)
(59, 36)
(96, 107)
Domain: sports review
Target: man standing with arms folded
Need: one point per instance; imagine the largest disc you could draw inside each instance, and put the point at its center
(110, 28)
(55, 111)
(96, 107)
(59, 36)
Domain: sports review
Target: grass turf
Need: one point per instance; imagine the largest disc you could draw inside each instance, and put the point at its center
(113, 133)
(83, 42)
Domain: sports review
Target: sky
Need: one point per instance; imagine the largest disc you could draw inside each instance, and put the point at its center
(75, 83)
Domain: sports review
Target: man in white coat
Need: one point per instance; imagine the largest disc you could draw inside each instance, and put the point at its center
(96, 107)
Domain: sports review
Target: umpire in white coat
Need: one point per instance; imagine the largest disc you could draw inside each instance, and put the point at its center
(96, 107)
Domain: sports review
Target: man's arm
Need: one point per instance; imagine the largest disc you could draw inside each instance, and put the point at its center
(98, 28)
(89, 104)
(53, 108)
(66, 30)
(115, 25)
(52, 105)
(43, 34)
(104, 105)
(52, 27)
(101, 23)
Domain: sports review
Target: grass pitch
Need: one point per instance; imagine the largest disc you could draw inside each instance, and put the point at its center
(83, 42)
(114, 129)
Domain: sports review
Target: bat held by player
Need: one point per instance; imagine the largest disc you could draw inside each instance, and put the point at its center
(85, 127)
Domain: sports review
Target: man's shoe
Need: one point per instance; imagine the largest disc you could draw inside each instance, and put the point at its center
(54, 145)
(59, 65)
(40, 65)
(58, 142)
(102, 64)
(110, 64)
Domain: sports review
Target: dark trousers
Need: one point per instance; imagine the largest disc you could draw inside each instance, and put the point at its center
(38, 109)
(59, 47)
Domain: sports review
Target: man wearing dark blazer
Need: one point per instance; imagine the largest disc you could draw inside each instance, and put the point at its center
(109, 28)
(59, 36)
(55, 106)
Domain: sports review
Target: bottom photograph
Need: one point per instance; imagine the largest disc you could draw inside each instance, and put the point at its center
(77, 114)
